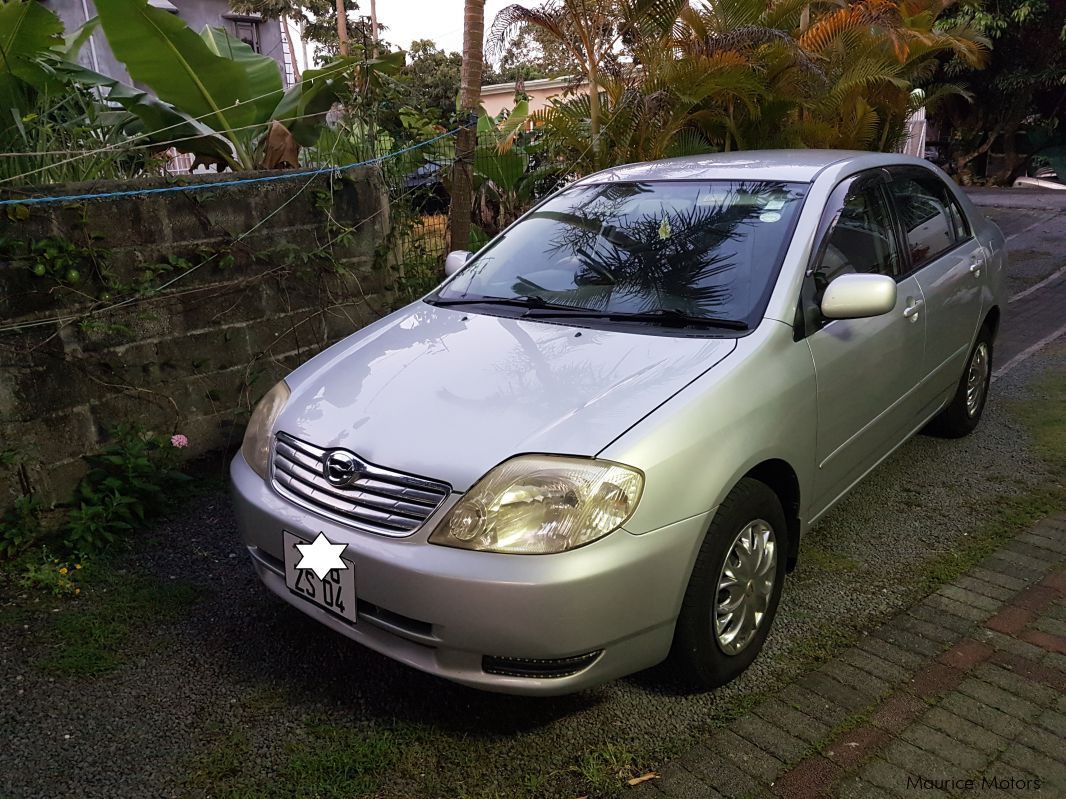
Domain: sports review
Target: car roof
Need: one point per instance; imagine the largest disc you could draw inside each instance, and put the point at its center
(790, 166)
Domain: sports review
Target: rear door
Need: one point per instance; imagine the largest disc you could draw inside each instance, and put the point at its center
(948, 263)
(867, 370)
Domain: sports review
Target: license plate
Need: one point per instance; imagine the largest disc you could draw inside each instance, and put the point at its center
(336, 593)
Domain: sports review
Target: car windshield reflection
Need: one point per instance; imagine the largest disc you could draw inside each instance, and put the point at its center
(659, 250)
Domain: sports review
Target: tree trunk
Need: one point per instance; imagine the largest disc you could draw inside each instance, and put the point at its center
(466, 142)
(342, 28)
(963, 160)
(374, 25)
(594, 110)
(1012, 159)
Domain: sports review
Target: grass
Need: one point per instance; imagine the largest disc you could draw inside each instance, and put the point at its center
(91, 636)
(815, 559)
(324, 760)
(1011, 516)
(728, 712)
(604, 771)
(825, 643)
(335, 762)
(842, 728)
(1044, 417)
(222, 770)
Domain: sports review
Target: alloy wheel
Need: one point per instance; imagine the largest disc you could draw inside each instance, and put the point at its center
(745, 586)
(977, 379)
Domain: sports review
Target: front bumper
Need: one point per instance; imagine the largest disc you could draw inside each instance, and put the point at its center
(441, 610)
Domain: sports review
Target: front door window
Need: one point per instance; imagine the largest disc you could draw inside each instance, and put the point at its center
(860, 240)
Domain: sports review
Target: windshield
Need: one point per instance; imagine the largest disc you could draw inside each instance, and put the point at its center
(708, 249)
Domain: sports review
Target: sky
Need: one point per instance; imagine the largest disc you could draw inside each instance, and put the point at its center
(439, 20)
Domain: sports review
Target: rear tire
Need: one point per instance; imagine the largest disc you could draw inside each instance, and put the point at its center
(741, 564)
(961, 416)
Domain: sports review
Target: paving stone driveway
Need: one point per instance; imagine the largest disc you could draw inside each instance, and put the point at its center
(963, 694)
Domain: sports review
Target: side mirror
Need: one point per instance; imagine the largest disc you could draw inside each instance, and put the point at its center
(859, 296)
(455, 261)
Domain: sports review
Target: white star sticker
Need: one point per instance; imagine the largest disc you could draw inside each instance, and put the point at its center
(321, 556)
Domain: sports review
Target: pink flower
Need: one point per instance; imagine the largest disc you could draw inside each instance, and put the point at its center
(179, 441)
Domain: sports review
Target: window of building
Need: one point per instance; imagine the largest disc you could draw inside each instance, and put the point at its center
(248, 32)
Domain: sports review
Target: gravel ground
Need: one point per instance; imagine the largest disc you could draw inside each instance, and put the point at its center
(242, 659)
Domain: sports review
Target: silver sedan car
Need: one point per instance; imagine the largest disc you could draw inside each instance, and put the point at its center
(598, 444)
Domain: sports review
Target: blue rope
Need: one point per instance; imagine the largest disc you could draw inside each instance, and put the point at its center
(224, 183)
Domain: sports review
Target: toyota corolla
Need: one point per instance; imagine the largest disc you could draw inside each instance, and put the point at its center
(598, 444)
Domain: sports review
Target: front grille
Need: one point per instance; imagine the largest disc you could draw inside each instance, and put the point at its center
(378, 501)
(549, 668)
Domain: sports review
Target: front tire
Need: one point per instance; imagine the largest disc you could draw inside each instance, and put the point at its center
(962, 415)
(732, 596)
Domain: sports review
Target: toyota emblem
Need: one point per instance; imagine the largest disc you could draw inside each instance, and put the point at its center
(341, 468)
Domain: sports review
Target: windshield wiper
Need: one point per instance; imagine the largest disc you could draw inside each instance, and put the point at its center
(521, 301)
(668, 317)
(539, 308)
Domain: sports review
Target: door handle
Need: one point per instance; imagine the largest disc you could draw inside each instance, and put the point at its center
(911, 311)
(976, 263)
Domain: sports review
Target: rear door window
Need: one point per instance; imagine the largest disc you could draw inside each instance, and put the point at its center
(931, 218)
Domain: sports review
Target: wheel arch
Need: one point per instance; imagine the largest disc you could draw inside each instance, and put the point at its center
(991, 321)
(779, 476)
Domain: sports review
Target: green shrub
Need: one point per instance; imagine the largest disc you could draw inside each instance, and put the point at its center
(20, 527)
(49, 573)
(127, 484)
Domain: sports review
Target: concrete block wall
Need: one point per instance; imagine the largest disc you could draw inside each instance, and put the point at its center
(304, 270)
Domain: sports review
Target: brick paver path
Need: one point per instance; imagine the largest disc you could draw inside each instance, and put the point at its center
(963, 695)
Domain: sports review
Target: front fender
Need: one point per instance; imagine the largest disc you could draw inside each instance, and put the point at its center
(757, 404)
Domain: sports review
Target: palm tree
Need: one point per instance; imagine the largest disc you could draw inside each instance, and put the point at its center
(668, 107)
(834, 74)
(592, 32)
(466, 142)
(757, 36)
(586, 29)
(873, 54)
(741, 74)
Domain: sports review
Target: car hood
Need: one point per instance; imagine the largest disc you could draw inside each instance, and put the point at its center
(448, 394)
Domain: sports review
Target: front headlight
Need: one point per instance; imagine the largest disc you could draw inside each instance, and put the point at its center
(539, 504)
(256, 446)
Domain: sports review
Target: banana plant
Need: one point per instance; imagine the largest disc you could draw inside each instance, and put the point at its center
(506, 175)
(45, 102)
(28, 32)
(226, 96)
